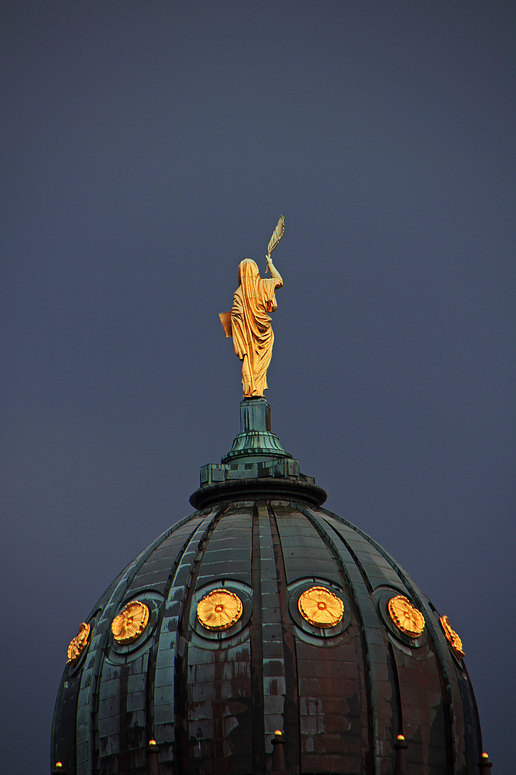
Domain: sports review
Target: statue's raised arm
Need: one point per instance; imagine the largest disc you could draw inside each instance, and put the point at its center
(250, 324)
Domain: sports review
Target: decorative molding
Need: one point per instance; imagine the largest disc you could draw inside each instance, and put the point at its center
(406, 616)
(219, 609)
(452, 637)
(130, 622)
(79, 643)
(320, 607)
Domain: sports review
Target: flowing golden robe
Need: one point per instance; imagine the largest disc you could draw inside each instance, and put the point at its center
(251, 325)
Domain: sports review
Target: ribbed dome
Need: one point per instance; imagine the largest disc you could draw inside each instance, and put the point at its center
(340, 689)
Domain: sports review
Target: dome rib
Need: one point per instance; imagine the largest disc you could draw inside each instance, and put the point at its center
(164, 693)
(347, 582)
(212, 700)
(200, 559)
(456, 732)
(192, 530)
(256, 644)
(377, 666)
(80, 725)
(110, 717)
(326, 695)
(290, 721)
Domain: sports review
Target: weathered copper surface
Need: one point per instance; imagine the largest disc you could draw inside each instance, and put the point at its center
(213, 699)
(256, 466)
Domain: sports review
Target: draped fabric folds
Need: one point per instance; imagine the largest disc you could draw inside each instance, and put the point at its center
(251, 325)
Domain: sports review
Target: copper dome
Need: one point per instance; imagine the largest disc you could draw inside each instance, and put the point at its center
(340, 685)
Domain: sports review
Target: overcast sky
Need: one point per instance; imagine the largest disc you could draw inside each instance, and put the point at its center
(148, 147)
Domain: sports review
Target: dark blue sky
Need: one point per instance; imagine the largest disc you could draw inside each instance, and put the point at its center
(147, 147)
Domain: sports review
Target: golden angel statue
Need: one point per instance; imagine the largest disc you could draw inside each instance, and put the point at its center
(249, 322)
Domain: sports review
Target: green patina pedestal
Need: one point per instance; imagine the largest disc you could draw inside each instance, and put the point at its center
(255, 463)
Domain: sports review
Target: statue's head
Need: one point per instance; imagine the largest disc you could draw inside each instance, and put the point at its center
(247, 269)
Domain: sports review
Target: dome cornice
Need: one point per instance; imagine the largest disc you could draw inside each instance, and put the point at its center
(267, 487)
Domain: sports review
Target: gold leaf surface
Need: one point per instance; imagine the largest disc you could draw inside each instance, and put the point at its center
(79, 643)
(219, 609)
(452, 637)
(320, 607)
(406, 617)
(130, 622)
(277, 234)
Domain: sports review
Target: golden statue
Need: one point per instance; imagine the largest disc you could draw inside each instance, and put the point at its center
(249, 323)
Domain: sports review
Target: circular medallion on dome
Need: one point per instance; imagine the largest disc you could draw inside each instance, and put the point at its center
(452, 637)
(320, 607)
(405, 616)
(78, 644)
(219, 609)
(130, 622)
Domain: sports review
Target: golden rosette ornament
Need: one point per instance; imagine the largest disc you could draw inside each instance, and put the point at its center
(406, 617)
(452, 637)
(320, 607)
(79, 643)
(219, 609)
(131, 622)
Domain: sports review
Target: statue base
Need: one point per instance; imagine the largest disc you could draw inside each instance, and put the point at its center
(255, 439)
(256, 466)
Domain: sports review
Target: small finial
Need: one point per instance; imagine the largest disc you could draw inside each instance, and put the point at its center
(279, 766)
(152, 758)
(485, 756)
(400, 746)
